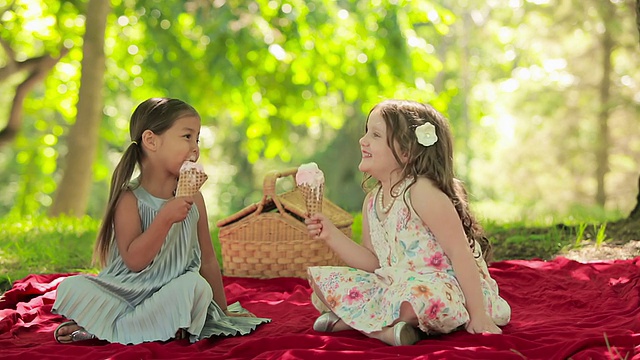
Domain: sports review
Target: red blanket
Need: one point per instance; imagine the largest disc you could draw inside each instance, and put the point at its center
(560, 309)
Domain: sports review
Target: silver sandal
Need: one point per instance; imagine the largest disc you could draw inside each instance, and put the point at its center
(404, 334)
(326, 322)
(78, 335)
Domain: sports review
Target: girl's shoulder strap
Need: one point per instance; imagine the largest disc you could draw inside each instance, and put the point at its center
(370, 197)
(145, 199)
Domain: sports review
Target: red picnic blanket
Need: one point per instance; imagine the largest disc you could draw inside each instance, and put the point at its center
(560, 309)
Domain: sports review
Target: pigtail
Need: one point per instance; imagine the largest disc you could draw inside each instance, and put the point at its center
(119, 184)
(471, 226)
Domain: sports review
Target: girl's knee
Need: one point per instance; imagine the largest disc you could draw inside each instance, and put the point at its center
(201, 288)
(71, 283)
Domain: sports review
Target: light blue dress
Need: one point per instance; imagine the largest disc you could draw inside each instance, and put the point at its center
(127, 307)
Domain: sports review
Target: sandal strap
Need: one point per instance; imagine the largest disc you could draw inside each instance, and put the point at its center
(81, 335)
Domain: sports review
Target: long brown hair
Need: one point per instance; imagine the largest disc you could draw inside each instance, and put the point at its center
(156, 115)
(434, 162)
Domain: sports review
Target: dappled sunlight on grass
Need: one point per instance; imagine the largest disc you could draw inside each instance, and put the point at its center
(515, 214)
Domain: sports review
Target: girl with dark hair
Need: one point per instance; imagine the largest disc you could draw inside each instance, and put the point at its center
(422, 262)
(160, 278)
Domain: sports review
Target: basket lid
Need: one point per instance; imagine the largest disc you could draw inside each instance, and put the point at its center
(291, 201)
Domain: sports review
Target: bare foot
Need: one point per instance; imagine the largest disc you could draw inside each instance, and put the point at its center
(385, 335)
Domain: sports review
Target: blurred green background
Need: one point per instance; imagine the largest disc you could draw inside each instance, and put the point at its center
(543, 96)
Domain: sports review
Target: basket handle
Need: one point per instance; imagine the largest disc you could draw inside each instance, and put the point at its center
(269, 187)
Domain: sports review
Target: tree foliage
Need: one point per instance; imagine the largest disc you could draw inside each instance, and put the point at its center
(283, 82)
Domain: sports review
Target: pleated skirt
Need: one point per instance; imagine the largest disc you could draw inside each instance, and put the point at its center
(185, 302)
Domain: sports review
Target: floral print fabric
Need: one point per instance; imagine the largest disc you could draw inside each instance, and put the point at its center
(413, 269)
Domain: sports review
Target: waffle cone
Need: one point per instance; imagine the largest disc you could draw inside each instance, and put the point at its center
(190, 182)
(313, 198)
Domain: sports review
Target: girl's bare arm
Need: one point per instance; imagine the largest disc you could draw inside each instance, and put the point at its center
(354, 255)
(210, 269)
(437, 211)
(138, 248)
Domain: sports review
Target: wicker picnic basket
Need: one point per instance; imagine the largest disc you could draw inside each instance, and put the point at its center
(269, 239)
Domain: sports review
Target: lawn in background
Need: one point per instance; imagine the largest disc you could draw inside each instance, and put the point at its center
(40, 245)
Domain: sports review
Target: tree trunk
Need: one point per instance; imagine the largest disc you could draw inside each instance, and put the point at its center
(635, 213)
(73, 190)
(602, 147)
(638, 16)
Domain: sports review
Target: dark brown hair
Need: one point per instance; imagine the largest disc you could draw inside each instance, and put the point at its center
(156, 115)
(434, 162)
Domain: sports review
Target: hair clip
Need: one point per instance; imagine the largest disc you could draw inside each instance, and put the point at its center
(426, 134)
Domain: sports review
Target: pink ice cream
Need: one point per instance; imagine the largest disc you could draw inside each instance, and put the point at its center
(310, 180)
(310, 175)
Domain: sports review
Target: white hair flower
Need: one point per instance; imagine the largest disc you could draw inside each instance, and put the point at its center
(426, 134)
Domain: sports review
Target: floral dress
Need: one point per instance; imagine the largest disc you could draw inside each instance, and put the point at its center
(413, 269)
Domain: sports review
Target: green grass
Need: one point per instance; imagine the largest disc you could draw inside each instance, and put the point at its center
(531, 216)
(580, 233)
(40, 245)
(519, 236)
(520, 241)
(601, 235)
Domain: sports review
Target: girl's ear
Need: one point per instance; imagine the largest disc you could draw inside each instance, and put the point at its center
(404, 154)
(404, 157)
(149, 140)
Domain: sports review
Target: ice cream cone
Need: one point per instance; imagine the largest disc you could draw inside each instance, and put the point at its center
(191, 179)
(313, 196)
(310, 180)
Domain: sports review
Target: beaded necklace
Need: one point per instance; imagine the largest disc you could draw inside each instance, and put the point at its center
(385, 209)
